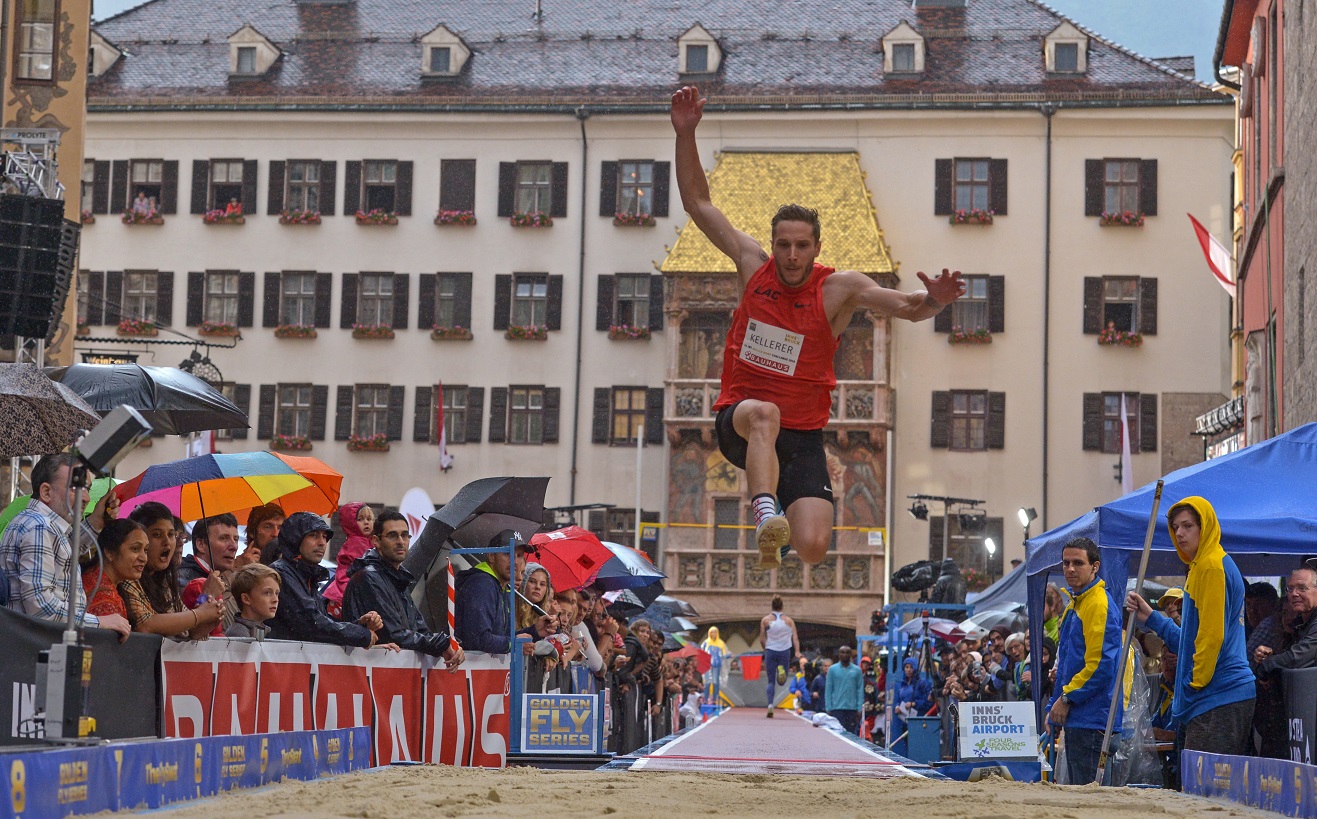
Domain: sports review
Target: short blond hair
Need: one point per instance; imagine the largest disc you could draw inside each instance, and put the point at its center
(249, 577)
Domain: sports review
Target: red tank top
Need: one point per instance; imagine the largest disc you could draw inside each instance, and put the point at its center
(780, 349)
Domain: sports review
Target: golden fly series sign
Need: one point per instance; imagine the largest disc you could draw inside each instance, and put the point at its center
(561, 724)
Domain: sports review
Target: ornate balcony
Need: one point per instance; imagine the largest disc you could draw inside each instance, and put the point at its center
(853, 402)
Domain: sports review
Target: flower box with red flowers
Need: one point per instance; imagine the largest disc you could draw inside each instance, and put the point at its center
(299, 217)
(379, 442)
(295, 331)
(959, 335)
(137, 327)
(1111, 337)
(973, 216)
(1126, 218)
(450, 333)
(625, 332)
(218, 328)
(535, 218)
(377, 216)
(291, 443)
(87, 217)
(376, 331)
(134, 217)
(220, 216)
(976, 580)
(83, 329)
(633, 220)
(461, 218)
(530, 332)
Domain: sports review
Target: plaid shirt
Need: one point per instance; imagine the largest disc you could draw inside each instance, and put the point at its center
(35, 553)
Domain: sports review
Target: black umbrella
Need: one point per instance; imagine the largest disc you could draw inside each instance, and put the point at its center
(630, 602)
(172, 401)
(40, 416)
(479, 511)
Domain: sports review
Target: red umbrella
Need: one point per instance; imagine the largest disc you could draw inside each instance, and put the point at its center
(571, 556)
(703, 662)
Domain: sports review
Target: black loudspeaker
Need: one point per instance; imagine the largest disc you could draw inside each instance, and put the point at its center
(38, 248)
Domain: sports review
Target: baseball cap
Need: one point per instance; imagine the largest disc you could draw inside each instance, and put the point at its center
(976, 634)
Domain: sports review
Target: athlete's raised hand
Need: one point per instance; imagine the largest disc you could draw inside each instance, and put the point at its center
(687, 109)
(946, 288)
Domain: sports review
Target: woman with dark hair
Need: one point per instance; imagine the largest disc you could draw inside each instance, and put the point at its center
(122, 546)
(153, 602)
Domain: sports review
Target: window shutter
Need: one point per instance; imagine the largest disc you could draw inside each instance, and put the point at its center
(601, 422)
(426, 287)
(654, 415)
(1095, 192)
(265, 412)
(507, 188)
(603, 316)
(270, 306)
(943, 197)
(246, 298)
(656, 302)
(558, 189)
(935, 544)
(996, 433)
(95, 297)
(462, 301)
(1148, 187)
(164, 299)
(242, 399)
(328, 187)
(595, 523)
(423, 419)
(1148, 306)
(249, 183)
(607, 188)
(401, 299)
(475, 413)
(942, 322)
(940, 432)
(996, 304)
(169, 187)
(1092, 305)
(997, 186)
(200, 185)
(114, 298)
(319, 411)
(351, 188)
(659, 207)
(552, 403)
(457, 184)
(553, 308)
(498, 415)
(324, 295)
(100, 187)
(196, 298)
(502, 301)
(275, 203)
(343, 413)
(119, 185)
(397, 399)
(347, 315)
(1092, 426)
(402, 189)
(1148, 422)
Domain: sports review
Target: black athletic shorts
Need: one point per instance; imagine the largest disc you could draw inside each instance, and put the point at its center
(802, 466)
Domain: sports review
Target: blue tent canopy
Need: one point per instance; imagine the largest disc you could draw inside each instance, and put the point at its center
(1006, 591)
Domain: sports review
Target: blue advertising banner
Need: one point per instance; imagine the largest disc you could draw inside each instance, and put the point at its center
(1277, 785)
(561, 724)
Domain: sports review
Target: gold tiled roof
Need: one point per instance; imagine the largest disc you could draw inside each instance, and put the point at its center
(749, 187)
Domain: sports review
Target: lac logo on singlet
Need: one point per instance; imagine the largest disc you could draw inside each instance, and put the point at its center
(772, 348)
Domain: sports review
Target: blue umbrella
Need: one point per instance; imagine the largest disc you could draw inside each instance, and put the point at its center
(627, 569)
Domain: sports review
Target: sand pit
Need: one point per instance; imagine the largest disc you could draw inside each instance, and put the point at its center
(408, 792)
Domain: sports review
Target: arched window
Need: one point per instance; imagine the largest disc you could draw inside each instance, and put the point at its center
(854, 359)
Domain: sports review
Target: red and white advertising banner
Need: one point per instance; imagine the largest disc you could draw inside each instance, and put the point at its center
(417, 710)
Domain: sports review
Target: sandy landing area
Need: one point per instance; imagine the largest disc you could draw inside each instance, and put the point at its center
(409, 792)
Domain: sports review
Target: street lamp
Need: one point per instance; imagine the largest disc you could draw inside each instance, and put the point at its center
(1027, 516)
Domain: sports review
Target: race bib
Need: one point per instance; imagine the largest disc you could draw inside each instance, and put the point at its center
(772, 348)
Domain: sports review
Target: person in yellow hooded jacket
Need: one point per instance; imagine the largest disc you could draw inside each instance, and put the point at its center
(1214, 690)
(718, 655)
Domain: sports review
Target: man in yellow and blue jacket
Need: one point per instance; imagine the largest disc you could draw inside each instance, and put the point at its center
(1214, 690)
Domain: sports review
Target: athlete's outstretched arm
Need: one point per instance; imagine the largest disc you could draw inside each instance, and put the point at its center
(916, 306)
(740, 247)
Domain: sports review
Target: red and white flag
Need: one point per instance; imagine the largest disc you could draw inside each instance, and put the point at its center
(445, 460)
(1219, 260)
(1126, 462)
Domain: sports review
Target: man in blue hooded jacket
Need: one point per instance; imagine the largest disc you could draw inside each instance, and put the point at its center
(482, 611)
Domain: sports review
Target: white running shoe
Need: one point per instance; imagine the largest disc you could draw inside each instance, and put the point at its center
(770, 712)
(770, 536)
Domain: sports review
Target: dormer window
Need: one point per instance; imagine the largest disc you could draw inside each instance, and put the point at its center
(903, 51)
(699, 51)
(903, 57)
(441, 57)
(101, 54)
(247, 60)
(1065, 50)
(251, 53)
(443, 53)
(1067, 56)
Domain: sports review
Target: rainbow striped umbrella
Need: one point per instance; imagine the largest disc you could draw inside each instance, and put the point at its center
(207, 485)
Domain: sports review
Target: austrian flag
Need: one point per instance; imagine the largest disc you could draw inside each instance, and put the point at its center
(1219, 260)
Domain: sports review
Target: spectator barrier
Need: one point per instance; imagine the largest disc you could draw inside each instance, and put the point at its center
(1300, 687)
(1278, 785)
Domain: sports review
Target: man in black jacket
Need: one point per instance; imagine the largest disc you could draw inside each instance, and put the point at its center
(950, 588)
(301, 614)
(379, 583)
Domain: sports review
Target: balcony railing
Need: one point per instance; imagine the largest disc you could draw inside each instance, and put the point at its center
(736, 570)
(857, 402)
